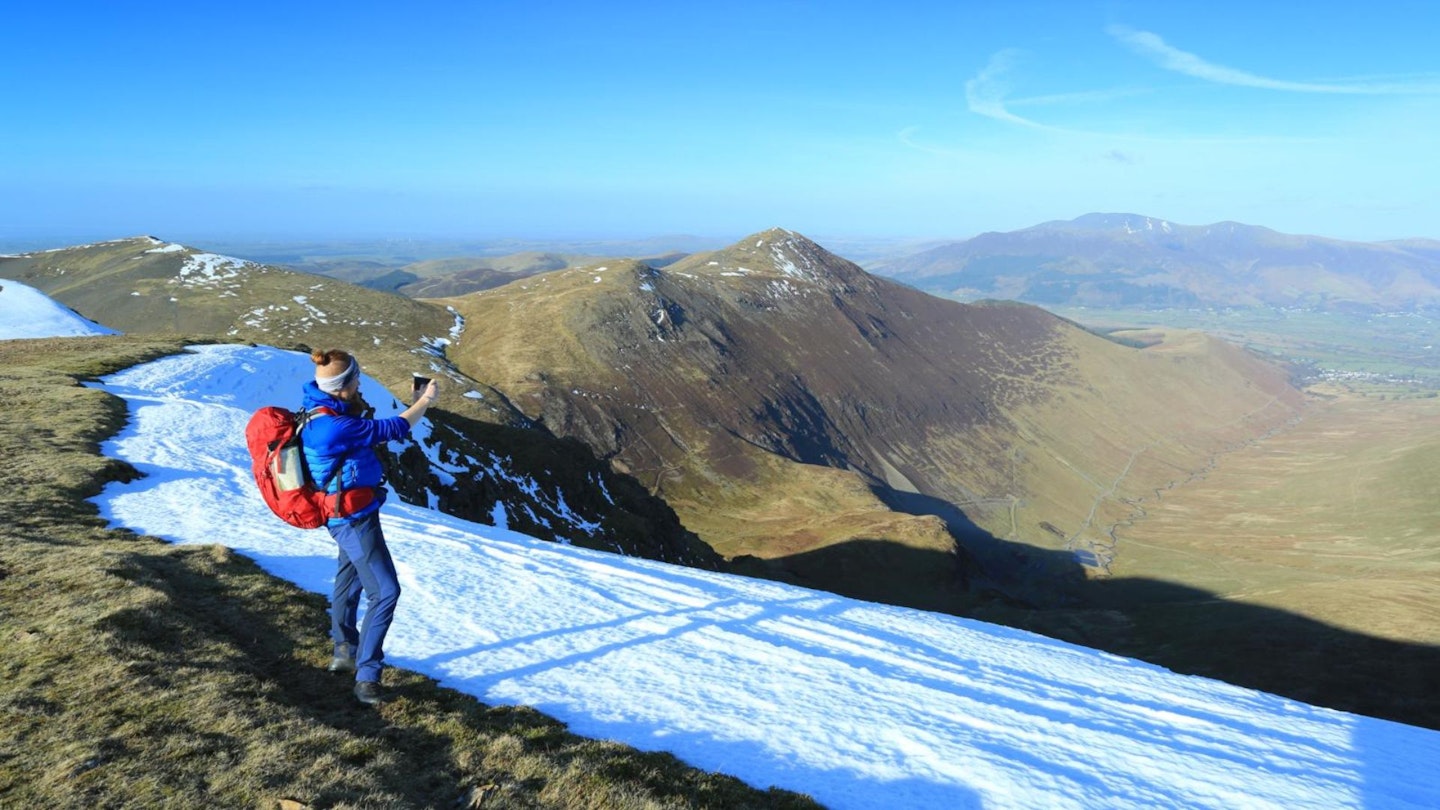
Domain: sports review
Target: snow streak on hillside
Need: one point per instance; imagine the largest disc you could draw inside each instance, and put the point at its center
(859, 705)
(25, 312)
(205, 269)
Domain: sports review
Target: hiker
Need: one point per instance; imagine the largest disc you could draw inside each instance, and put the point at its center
(348, 438)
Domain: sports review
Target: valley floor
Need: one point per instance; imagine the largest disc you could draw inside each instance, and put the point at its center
(1335, 518)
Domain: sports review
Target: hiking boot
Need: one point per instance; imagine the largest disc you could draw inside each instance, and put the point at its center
(344, 660)
(369, 693)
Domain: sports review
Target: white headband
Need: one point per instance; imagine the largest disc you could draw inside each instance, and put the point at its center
(332, 385)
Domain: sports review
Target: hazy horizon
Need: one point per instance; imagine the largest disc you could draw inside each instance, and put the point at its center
(856, 247)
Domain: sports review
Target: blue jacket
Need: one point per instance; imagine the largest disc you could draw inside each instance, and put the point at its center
(349, 441)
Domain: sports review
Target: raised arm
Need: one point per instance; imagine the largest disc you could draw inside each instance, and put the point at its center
(423, 402)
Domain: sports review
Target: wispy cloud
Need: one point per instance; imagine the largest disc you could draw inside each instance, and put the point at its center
(1167, 56)
(985, 94)
(988, 95)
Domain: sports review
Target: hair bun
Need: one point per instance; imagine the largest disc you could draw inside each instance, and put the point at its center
(332, 357)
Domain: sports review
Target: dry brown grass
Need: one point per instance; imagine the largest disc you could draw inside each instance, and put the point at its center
(1335, 518)
(142, 674)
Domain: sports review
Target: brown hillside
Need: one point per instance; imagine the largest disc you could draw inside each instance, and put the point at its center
(779, 398)
(146, 286)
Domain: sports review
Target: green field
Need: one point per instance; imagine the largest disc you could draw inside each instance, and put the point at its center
(1394, 354)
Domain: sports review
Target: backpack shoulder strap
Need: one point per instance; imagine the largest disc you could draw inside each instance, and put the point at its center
(334, 473)
(304, 419)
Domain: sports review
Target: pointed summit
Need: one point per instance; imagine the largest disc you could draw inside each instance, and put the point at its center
(776, 253)
(795, 255)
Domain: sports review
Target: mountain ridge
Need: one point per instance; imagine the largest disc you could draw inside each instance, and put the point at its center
(723, 380)
(1123, 260)
(788, 404)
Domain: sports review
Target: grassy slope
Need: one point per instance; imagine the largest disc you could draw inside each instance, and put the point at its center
(124, 286)
(531, 342)
(1302, 562)
(1333, 518)
(138, 673)
(1163, 415)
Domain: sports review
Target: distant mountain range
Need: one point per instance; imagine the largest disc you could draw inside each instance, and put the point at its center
(434, 268)
(1131, 261)
(444, 278)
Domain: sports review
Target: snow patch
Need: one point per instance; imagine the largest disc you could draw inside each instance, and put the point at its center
(314, 311)
(785, 255)
(207, 269)
(25, 312)
(459, 328)
(435, 347)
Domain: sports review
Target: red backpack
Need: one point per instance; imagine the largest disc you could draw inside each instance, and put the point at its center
(273, 438)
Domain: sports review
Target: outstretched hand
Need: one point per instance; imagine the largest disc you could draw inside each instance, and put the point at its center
(423, 402)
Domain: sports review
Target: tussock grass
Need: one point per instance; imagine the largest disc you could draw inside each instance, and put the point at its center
(143, 674)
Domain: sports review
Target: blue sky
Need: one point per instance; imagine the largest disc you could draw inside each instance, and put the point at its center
(625, 119)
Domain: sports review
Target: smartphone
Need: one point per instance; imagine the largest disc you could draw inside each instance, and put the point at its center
(417, 385)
